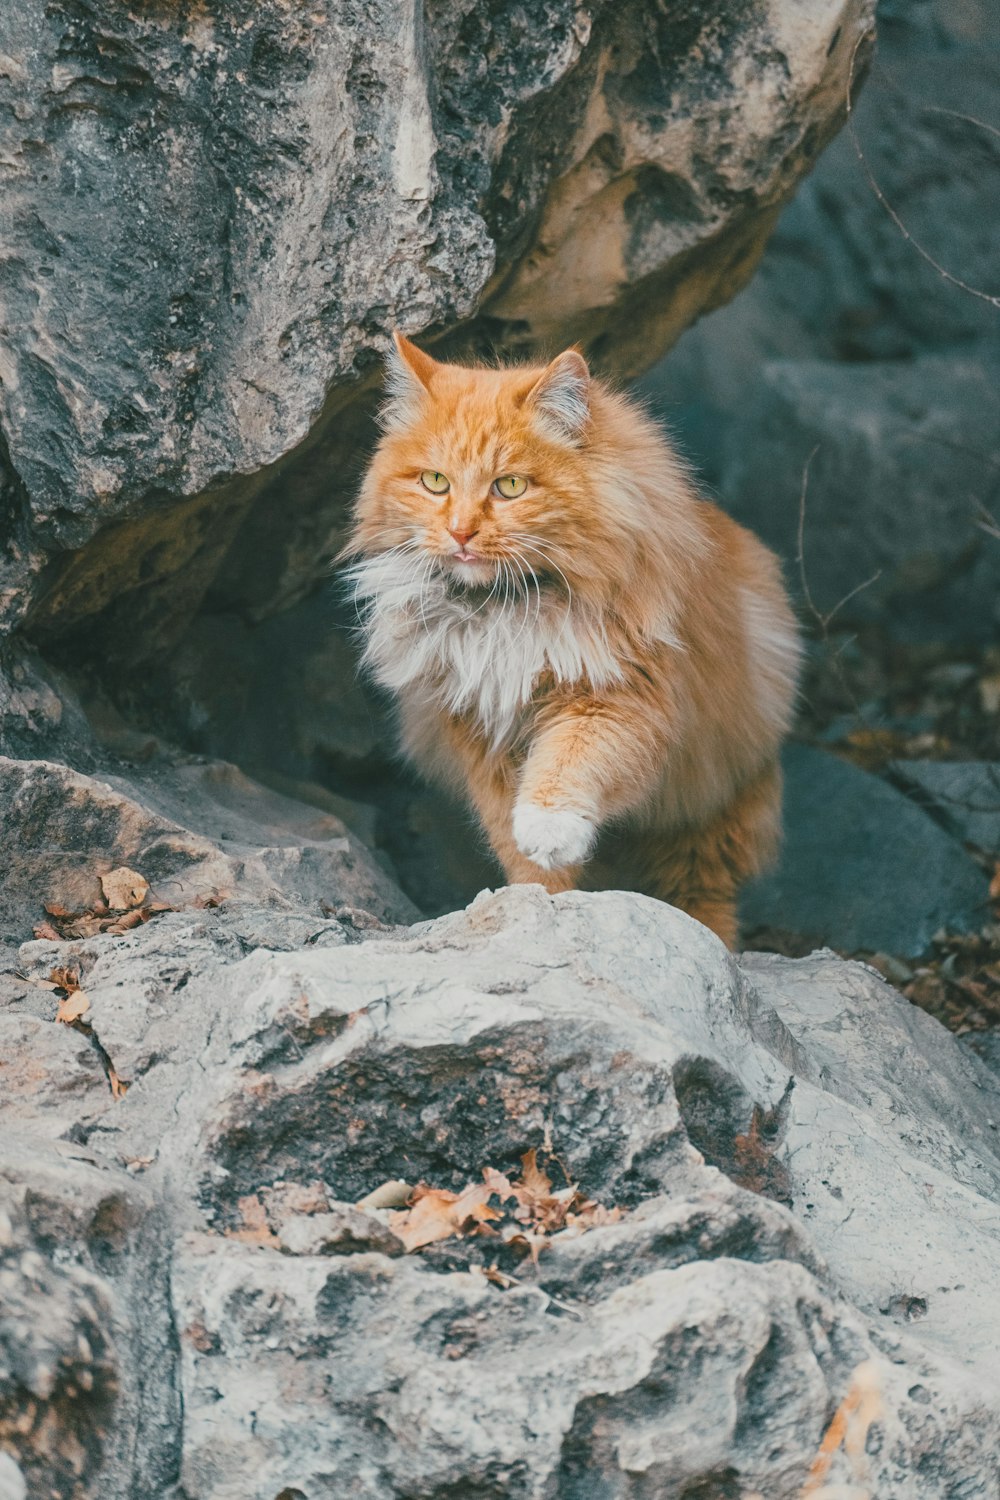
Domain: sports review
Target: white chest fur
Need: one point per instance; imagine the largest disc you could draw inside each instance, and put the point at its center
(470, 652)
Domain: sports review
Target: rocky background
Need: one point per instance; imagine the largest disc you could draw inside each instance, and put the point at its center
(545, 1198)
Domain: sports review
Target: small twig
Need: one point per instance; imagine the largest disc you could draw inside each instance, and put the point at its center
(994, 301)
(954, 114)
(806, 593)
(824, 621)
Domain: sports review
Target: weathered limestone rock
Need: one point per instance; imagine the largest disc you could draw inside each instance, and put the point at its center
(808, 1170)
(213, 221)
(68, 829)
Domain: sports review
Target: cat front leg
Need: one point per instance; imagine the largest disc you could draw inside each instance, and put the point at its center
(592, 761)
(553, 837)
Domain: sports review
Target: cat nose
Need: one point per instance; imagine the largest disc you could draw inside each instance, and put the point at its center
(462, 537)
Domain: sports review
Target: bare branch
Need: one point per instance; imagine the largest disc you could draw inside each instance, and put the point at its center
(943, 272)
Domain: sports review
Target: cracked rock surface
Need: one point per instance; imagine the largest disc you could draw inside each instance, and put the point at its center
(807, 1169)
(214, 217)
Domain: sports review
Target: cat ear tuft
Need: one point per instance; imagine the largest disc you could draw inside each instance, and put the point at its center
(408, 373)
(561, 396)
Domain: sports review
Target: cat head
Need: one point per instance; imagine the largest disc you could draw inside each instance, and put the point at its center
(485, 470)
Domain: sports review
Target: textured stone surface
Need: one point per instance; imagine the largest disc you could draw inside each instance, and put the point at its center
(963, 795)
(862, 866)
(773, 1132)
(899, 461)
(851, 339)
(69, 829)
(213, 221)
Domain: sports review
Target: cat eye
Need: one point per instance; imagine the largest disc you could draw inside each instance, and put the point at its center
(510, 486)
(438, 484)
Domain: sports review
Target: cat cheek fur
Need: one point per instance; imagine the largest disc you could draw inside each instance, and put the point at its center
(628, 672)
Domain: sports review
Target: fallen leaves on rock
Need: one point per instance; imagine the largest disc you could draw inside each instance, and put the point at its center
(73, 1003)
(959, 983)
(124, 888)
(523, 1212)
(72, 1007)
(124, 906)
(876, 699)
(860, 1408)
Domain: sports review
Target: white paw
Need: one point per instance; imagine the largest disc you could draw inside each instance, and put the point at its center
(552, 838)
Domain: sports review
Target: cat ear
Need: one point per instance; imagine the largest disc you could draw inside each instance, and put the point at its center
(408, 373)
(561, 396)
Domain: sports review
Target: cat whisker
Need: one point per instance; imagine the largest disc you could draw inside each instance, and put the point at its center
(533, 546)
(527, 598)
(520, 564)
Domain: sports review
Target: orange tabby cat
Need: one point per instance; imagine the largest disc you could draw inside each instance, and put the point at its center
(600, 660)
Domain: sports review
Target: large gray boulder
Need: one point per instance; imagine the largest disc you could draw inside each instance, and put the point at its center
(211, 224)
(895, 459)
(770, 1132)
(863, 867)
(883, 358)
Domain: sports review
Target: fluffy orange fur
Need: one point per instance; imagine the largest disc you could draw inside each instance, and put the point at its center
(600, 660)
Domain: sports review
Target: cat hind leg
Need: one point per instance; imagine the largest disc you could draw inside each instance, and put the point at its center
(700, 870)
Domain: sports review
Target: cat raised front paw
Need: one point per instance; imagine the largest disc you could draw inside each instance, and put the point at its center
(552, 838)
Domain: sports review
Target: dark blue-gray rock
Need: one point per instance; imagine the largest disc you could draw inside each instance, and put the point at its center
(899, 457)
(964, 796)
(986, 1046)
(862, 867)
(908, 459)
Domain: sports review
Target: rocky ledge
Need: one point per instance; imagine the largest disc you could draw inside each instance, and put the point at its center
(780, 1282)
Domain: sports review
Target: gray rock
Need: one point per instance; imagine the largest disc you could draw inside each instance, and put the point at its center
(231, 214)
(12, 1483)
(963, 795)
(69, 829)
(88, 1398)
(773, 1133)
(851, 339)
(984, 1045)
(862, 867)
(896, 455)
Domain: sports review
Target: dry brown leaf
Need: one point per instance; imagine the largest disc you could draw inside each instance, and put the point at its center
(438, 1214)
(534, 1182)
(592, 1216)
(126, 922)
(118, 1088)
(210, 900)
(124, 888)
(83, 927)
(499, 1278)
(498, 1183)
(55, 910)
(524, 1239)
(47, 933)
(65, 978)
(848, 1428)
(72, 1007)
(434, 1214)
